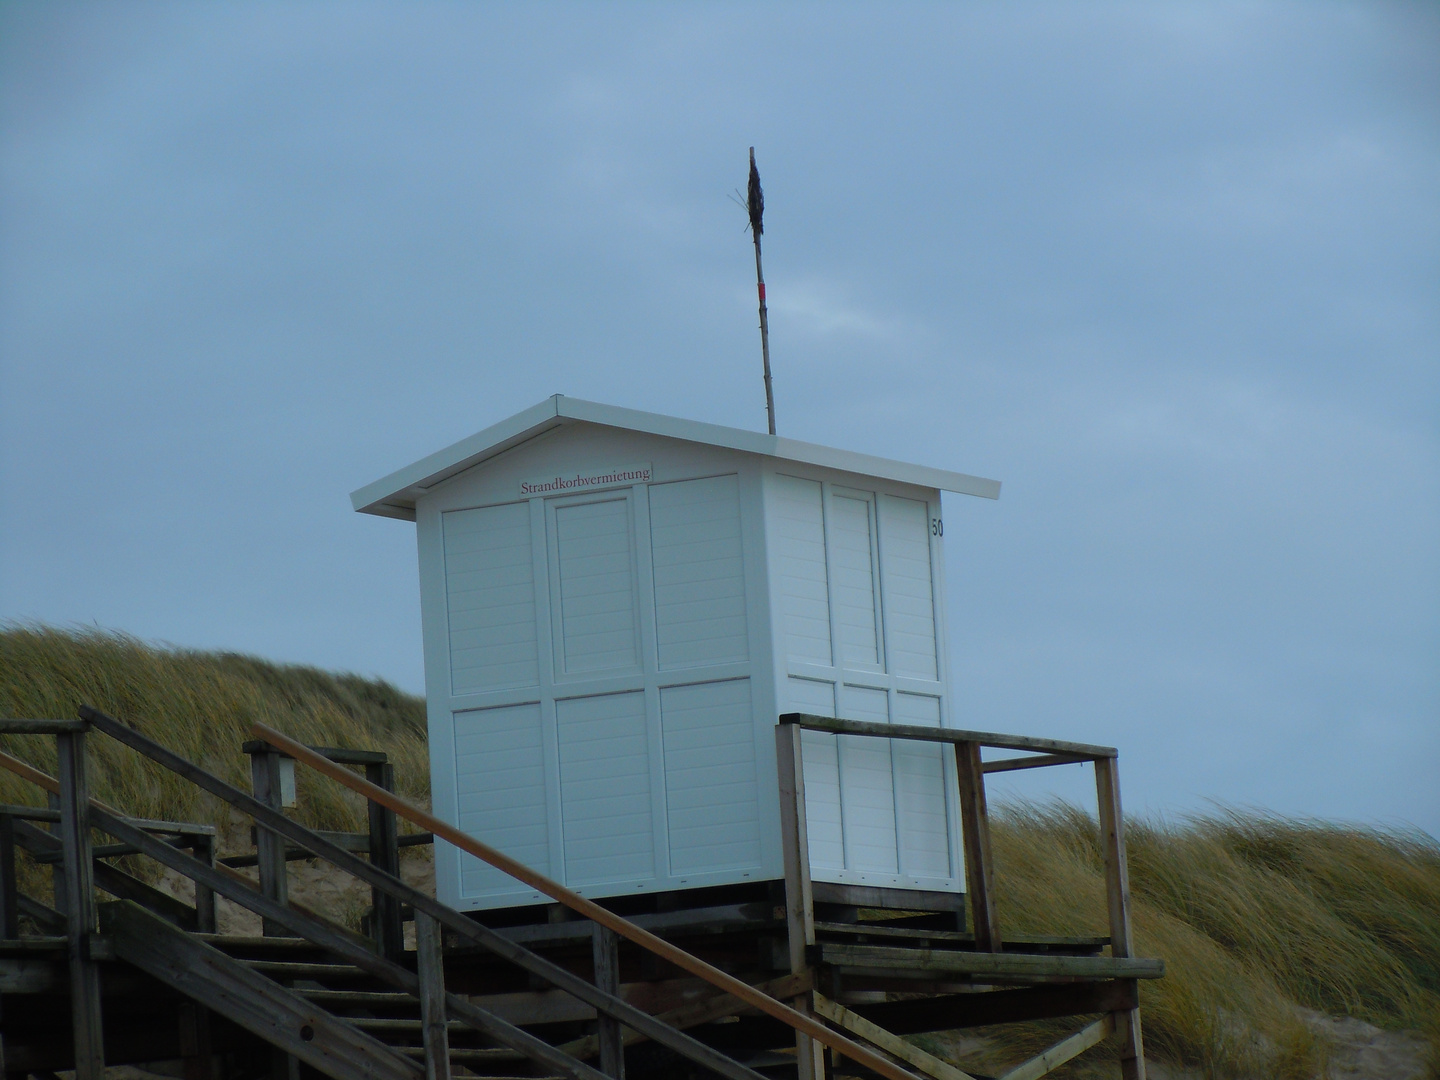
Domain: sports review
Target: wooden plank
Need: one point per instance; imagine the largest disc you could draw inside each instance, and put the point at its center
(879, 896)
(279, 1016)
(922, 962)
(712, 1008)
(382, 843)
(1035, 761)
(21, 975)
(707, 920)
(79, 907)
(196, 1047)
(43, 914)
(112, 879)
(901, 933)
(9, 897)
(909, 1053)
(979, 867)
(430, 968)
(605, 950)
(950, 735)
(269, 848)
(1000, 1006)
(30, 813)
(1117, 894)
(1064, 1050)
(799, 894)
(43, 727)
(204, 850)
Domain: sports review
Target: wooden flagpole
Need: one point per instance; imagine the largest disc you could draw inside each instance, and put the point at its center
(755, 205)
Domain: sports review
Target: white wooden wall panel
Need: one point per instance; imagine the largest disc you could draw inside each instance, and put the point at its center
(596, 575)
(800, 578)
(852, 581)
(711, 794)
(699, 572)
(490, 598)
(500, 787)
(909, 600)
(867, 785)
(605, 793)
(922, 822)
(820, 753)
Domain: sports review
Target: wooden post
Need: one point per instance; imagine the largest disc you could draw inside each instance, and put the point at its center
(430, 966)
(605, 948)
(269, 848)
(1117, 882)
(9, 897)
(196, 1051)
(203, 848)
(799, 901)
(385, 922)
(80, 906)
(57, 869)
(274, 878)
(975, 827)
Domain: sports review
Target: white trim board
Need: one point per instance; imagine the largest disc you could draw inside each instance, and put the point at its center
(395, 495)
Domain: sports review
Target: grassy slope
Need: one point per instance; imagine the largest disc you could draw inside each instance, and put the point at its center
(1253, 914)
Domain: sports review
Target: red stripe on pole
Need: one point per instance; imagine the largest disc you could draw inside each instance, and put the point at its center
(762, 290)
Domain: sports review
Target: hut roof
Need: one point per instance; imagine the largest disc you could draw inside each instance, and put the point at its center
(395, 495)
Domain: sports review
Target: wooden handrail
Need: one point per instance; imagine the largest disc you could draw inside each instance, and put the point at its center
(778, 1010)
(1072, 750)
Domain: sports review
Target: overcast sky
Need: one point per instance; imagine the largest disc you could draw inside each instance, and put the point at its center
(1171, 272)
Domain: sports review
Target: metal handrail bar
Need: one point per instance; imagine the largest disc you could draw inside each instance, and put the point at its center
(1082, 751)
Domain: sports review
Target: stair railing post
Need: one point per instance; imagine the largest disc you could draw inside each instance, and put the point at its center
(386, 924)
(1117, 889)
(57, 869)
(80, 906)
(1118, 896)
(203, 848)
(269, 848)
(799, 898)
(265, 782)
(605, 950)
(430, 967)
(9, 895)
(975, 828)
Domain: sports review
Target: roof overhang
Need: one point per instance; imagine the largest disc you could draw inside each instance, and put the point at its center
(395, 495)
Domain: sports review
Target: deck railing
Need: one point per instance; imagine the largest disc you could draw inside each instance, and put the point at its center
(970, 772)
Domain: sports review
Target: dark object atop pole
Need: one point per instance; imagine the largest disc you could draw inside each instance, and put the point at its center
(755, 205)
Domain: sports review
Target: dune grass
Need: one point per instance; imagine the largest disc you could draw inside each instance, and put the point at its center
(200, 705)
(1255, 915)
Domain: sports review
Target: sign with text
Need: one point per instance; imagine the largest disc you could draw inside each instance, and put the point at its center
(571, 482)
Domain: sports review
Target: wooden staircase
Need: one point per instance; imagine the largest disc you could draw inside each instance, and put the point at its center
(310, 997)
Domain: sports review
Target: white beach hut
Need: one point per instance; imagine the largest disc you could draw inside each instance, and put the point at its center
(616, 607)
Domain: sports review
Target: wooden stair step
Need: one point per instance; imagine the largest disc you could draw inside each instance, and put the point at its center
(299, 969)
(340, 999)
(385, 1023)
(1041, 943)
(481, 1054)
(923, 963)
